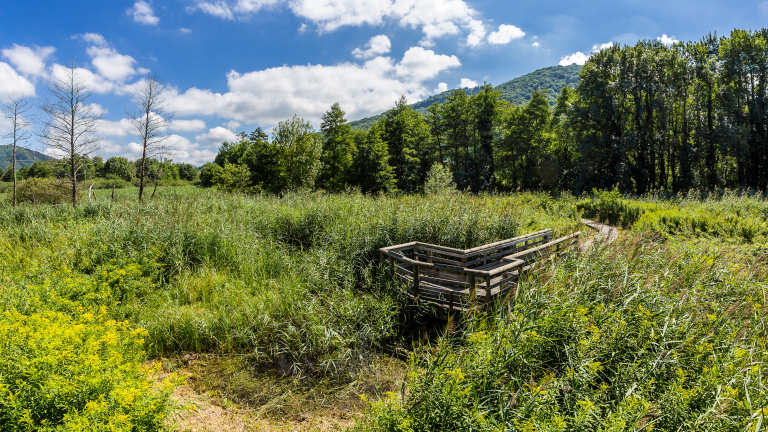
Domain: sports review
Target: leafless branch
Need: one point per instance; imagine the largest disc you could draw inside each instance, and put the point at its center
(70, 124)
(150, 124)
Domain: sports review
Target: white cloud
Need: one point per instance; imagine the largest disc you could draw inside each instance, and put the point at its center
(120, 128)
(467, 83)
(110, 64)
(97, 109)
(435, 17)
(12, 82)
(232, 9)
(667, 40)
(600, 47)
(535, 44)
(303, 28)
(232, 124)
(27, 60)
(376, 46)
(187, 125)
(268, 96)
(575, 58)
(442, 87)
(96, 83)
(477, 32)
(505, 34)
(185, 30)
(422, 64)
(91, 38)
(218, 135)
(142, 13)
(434, 31)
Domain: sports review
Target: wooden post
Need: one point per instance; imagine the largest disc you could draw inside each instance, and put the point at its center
(487, 290)
(450, 304)
(471, 287)
(392, 265)
(416, 290)
(429, 254)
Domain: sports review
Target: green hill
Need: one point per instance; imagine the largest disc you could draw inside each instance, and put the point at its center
(24, 157)
(517, 91)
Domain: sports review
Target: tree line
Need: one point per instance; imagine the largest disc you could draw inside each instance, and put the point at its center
(641, 118)
(68, 127)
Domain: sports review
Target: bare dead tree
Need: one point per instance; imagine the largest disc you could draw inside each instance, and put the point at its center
(17, 112)
(70, 123)
(150, 124)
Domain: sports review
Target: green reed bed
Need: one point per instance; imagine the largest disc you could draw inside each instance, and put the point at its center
(642, 335)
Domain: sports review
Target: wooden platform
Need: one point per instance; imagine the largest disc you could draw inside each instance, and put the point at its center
(458, 280)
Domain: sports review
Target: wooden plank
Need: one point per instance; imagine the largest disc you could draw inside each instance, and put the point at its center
(416, 279)
(502, 253)
(431, 259)
(515, 240)
(435, 250)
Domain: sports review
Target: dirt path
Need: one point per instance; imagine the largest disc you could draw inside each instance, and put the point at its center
(605, 233)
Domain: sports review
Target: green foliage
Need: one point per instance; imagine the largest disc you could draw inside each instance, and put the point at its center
(187, 172)
(371, 170)
(300, 149)
(609, 340)
(84, 373)
(42, 191)
(24, 157)
(120, 167)
(439, 181)
(338, 150)
(207, 173)
(233, 178)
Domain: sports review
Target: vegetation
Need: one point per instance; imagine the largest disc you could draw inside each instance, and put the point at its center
(548, 81)
(24, 157)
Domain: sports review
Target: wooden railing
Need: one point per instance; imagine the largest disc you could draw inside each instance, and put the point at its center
(454, 279)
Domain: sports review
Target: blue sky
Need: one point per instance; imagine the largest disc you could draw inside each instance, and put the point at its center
(232, 65)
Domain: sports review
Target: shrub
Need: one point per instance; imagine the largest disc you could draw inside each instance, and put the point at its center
(43, 191)
(59, 373)
(439, 180)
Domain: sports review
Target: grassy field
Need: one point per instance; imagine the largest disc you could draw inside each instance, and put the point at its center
(276, 307)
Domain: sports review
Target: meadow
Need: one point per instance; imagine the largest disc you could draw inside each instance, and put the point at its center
(278, 296)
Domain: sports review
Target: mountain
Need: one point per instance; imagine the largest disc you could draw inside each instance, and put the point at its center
(24, 157)
(517, 91)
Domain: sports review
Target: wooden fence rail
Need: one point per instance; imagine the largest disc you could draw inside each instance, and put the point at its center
(456, 280)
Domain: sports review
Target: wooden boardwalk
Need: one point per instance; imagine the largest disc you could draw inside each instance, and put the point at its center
(457, 280)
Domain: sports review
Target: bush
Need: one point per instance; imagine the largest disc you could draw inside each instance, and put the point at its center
(110, 181)
(43, 191)
(439, 180)
(76, 374)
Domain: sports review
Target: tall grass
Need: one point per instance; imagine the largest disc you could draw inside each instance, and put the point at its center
(641, 336)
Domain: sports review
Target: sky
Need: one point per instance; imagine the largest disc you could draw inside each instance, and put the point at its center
(233, 65)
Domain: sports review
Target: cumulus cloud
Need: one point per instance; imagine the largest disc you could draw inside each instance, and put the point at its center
(667, 40)
(120, 128)
(467, 83)
(142, 13)
(442, 87)
(95, 82)
(535, 44)
(27, 60)
(303, 28)
(477, 33)
(218, 135)
(268, 96)
(600, 47)
(505, 34)
(376, 46)
(185, 30)
(187, 125)
(91, 38)
(232, 124)
(422, 64)
(575, 58)
(112, 65)
(231, 9)
(13, 83)
(436, 18)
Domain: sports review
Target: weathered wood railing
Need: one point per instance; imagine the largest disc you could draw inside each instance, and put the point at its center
(456, 279)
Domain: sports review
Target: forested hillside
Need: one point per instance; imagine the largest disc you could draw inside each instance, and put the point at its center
(549, 80)
(24, 157)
